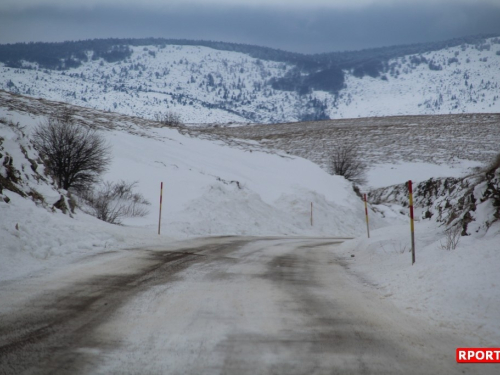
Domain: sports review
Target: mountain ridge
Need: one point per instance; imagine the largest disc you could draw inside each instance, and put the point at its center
(227, 82)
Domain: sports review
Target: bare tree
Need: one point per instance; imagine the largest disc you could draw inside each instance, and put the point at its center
(111, 202)
(74, 154)
(345, 161)
(169, 119)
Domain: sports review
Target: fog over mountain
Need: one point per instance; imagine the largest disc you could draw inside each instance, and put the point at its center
(312, 27)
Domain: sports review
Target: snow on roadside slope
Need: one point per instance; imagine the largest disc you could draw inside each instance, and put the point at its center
(209, 189)
(34, 238)
(456, 290)
(213, 189)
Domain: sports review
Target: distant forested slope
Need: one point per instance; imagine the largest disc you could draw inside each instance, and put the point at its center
(323, 71)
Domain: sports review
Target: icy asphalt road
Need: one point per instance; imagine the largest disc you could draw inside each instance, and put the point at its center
(229, 305)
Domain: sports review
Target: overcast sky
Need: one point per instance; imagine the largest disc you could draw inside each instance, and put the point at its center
(306, 26)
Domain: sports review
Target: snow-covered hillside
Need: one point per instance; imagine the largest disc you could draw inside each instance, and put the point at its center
(200, 84)
(209, 189)
(204, 85)
(463, 79)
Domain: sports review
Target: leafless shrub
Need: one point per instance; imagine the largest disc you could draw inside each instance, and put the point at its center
(345, 161)
(452, 237)
(74, 155)
(169, 119)
(111, 202)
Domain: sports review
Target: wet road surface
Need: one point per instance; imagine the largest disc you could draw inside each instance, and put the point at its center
(230, 305)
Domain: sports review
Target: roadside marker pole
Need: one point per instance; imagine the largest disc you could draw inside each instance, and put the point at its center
(159, 219)
(311, 214)
(412, 226)
(366, 213)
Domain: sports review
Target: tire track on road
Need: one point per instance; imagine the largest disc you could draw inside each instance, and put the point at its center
(43, 338)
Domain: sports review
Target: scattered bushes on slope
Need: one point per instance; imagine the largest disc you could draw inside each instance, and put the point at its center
(170, 119)
(114, 201)
(75, 156)
(22, 172)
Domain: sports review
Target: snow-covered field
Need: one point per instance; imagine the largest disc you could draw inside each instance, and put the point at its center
(211, 189)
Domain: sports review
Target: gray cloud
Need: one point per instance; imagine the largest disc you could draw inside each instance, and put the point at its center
(162, 4)
(308, 30)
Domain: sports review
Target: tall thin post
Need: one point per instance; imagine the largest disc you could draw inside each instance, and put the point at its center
(311, 214)
(161, 196)
(366, 214)
(412, 226)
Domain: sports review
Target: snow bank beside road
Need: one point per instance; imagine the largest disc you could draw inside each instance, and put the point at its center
(457, 289)
(33, 238)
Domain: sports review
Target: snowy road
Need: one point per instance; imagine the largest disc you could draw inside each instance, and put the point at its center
(230, 305)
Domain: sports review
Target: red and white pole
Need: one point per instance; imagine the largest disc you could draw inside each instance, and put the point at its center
(412, 225)
(366, 214)
(161, 196)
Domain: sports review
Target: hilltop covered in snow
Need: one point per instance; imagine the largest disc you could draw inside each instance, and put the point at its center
(207, 82)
